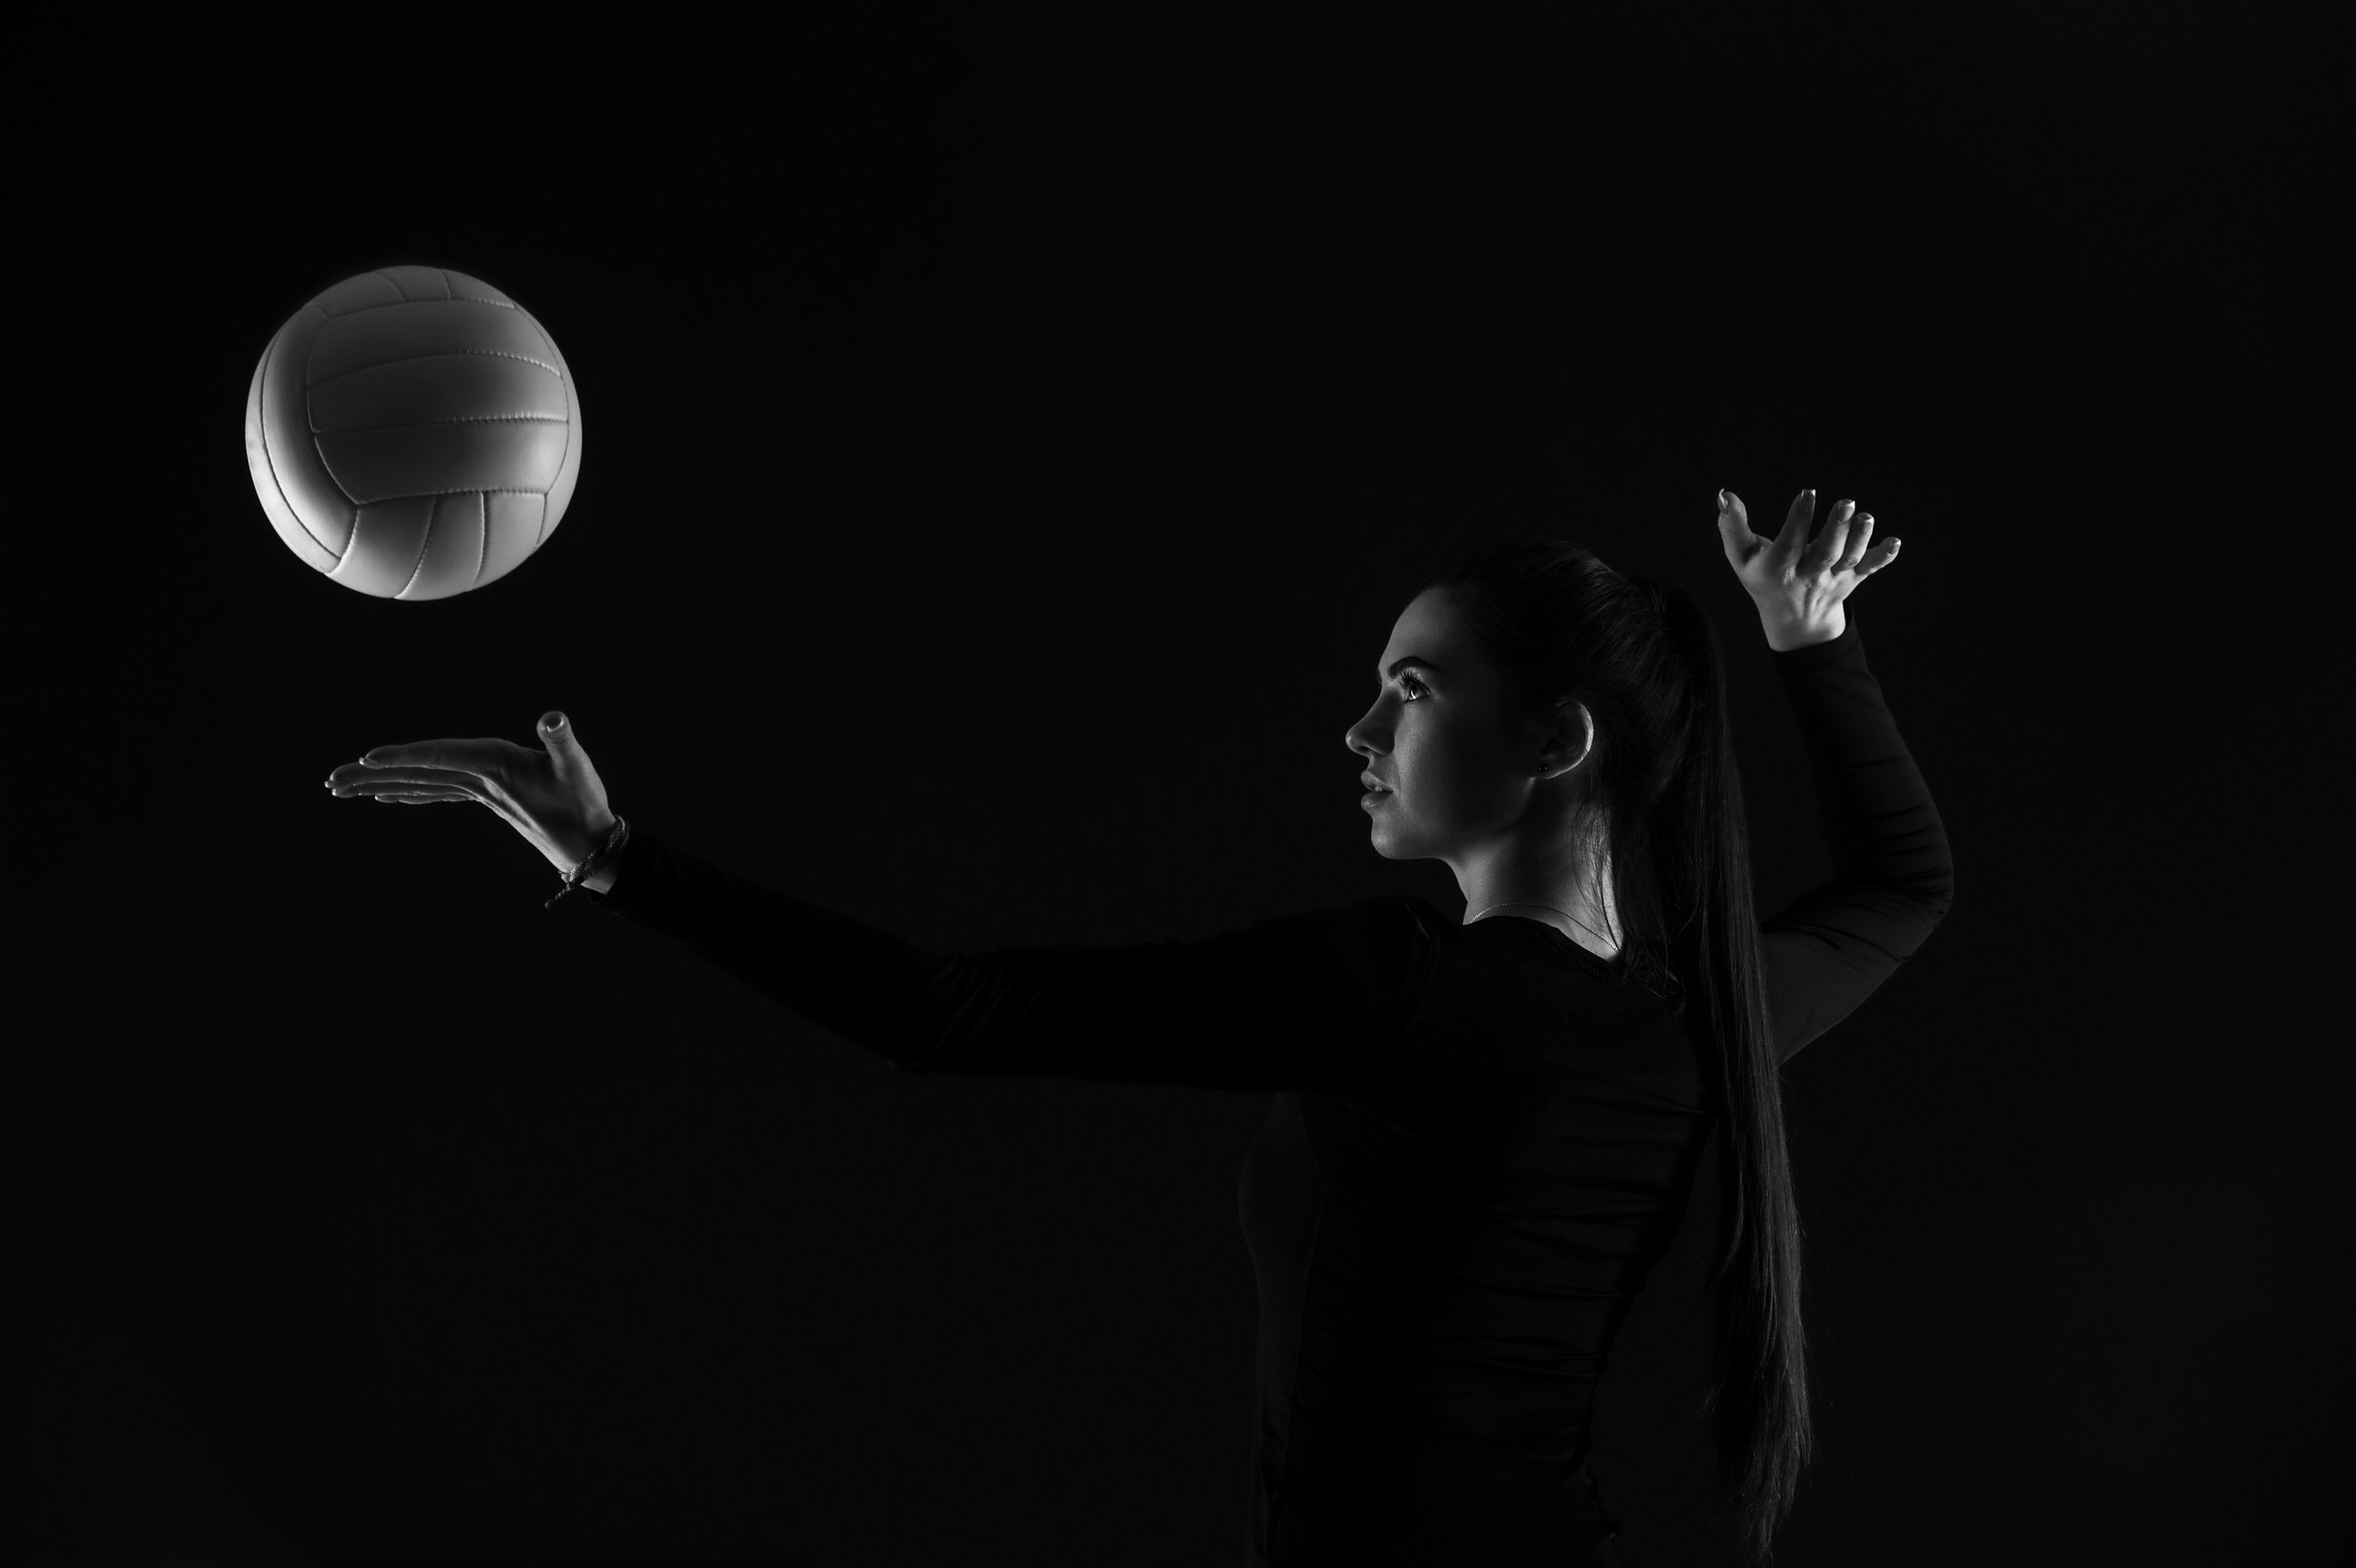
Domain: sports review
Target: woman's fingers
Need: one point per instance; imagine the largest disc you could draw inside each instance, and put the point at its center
(422, 753)
(440, 761)
(1827, 551)
(456, 789)
(1858, 555)
(358, 778)
(463, 756)
(1841, 546)
(390, 790)
(1743, 548)
(1852, 549)
(1794, 536)
(1790, 574)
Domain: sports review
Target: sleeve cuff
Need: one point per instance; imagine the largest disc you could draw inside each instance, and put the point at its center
(617, 900)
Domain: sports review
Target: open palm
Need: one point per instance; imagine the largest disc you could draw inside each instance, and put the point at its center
(553, 797)
(1792, 581)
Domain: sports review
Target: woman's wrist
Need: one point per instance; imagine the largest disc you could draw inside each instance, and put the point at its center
(605, 860)
(1784, 633)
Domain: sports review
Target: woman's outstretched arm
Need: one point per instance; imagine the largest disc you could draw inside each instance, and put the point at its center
(1316, 998)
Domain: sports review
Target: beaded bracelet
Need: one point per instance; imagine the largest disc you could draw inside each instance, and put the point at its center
(614, 841)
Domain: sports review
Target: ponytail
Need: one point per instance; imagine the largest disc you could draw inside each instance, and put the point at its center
(1758, 1388)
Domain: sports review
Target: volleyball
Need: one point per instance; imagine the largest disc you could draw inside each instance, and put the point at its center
(413, 433)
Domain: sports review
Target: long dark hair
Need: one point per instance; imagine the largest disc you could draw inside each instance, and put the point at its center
(1644, 658)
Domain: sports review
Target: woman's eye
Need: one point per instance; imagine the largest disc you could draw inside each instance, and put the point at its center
(1409, 684)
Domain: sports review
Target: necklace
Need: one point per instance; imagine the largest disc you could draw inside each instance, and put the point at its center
(1583, 925)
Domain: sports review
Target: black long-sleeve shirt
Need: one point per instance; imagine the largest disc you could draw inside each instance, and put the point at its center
(1482, 1136)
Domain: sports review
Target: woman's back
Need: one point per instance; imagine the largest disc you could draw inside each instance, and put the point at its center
(1445, 1252)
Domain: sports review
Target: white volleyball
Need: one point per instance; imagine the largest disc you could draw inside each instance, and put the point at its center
(413, 433)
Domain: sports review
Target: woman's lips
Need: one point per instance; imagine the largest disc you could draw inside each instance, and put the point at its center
(1373, 796)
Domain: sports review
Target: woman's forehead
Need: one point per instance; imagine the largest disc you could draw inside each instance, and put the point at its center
(1427, 627)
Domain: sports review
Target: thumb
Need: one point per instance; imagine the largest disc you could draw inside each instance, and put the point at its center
(1735, 528)
(558, 735)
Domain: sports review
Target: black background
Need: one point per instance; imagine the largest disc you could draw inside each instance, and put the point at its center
(1008, 441)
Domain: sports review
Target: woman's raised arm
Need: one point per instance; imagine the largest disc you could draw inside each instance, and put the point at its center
(1894, 876)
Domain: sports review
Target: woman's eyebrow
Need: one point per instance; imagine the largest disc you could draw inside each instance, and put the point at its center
(1404, 661)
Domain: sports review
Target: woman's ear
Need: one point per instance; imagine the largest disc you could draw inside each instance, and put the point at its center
(1569, 738)
(1563, 741)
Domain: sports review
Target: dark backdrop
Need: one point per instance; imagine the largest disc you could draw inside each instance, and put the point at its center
(1008, 442)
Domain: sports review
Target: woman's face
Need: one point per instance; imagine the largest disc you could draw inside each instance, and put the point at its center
(1459, 771)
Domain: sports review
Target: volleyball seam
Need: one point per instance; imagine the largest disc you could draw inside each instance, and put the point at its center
(458, 419)
(357, 310)
(482, 556)
(439, 353)
(425, 546)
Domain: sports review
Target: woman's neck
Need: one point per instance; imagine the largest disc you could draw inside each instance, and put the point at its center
(1572, 893)
(1575, 915)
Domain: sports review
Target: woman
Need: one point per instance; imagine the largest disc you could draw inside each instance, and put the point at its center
(1486, 1129)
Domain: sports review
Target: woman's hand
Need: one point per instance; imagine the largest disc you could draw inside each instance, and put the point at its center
(554, 798)
(1799, 586)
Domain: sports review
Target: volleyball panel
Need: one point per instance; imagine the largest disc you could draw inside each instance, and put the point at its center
(517, 524)
(270, 484)
(399, 285)
(384, 465)
(278, 425)
(568, 470)
(421, 330)
(388, 540)
(424, 547)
